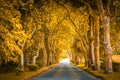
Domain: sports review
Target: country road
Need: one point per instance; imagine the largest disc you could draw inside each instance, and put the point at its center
(65, 72)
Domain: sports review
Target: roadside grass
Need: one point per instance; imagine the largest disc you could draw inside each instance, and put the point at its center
(26, 75)
(100, 73)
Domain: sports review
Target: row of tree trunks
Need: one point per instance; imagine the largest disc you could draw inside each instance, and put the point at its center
(47, 57)
(22, 62)
(94, 46)
(107, 45)
(94, 43)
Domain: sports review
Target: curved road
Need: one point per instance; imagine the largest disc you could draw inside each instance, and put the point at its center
(65, 72)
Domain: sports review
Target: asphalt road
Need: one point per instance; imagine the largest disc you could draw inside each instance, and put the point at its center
(65, 72)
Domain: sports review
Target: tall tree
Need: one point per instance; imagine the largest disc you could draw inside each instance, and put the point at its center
(104, 13)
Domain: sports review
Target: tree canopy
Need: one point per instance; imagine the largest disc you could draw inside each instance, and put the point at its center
(37, 31)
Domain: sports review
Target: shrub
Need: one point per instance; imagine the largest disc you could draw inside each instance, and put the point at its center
(102, 64)
(33, 67)
(8, 67)
(116, 66)
(19, 71)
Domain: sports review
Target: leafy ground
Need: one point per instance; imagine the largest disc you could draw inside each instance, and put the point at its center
(114, 76)
(25, 75)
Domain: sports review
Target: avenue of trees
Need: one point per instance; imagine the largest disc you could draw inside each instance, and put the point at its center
(38, 31)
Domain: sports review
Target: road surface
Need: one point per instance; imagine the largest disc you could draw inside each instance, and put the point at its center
(64, 72)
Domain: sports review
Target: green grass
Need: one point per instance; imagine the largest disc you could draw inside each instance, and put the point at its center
(100, 74)
(25, 75)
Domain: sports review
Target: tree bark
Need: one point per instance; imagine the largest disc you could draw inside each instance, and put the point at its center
(107, 44)
(77, 59)
(34, 58)
(22, 60)
(22, 54)
(46, 41)
(50, 58)
(86, 60)
(97, 44)
(45, 56)
(85, 53)
(73, 57)
(91, 45)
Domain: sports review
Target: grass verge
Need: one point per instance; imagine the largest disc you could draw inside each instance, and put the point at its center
(100, 73)
(25, 75)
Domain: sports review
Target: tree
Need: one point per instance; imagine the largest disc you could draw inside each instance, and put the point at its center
(106, 25)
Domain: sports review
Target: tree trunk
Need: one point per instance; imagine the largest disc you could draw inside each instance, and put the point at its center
(23, 45)
(22, 55)
(44, 55)
(97, 43)
(77, 58)
(50, 58)
(86, 57)
(107, 44)
(73, 57)
(91, 45)
(47, 47)
(84, 48)
(22, 60)
(81, 57)
(34, 58)
(106, 26)
(86, 60)
(53, 57)
(26, 59)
